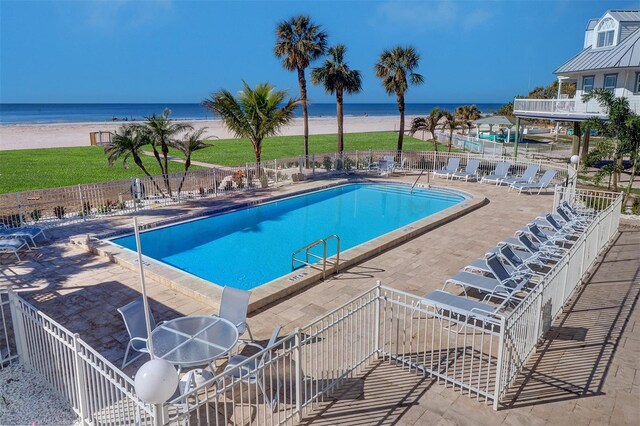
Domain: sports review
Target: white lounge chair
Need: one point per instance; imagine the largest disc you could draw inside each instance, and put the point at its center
(233, 307)
(500, 173)
(543, 183)
(27, 233)
(502, 283)
(470, 171)
(529, 174)
(452, 166)
(458, 305)
(13, 245)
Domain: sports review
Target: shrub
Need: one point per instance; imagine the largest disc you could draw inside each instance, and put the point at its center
(348, 164)
(237, 178)
(58, 211)
(228, 185)
(635, 207)
(36, 215)
(12, 220)
(326, 163)
(86, 208)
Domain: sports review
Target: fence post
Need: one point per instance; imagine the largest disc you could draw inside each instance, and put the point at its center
(18, 328)
(19, 208)
(357, 159)
(84, 214)
(299, 384)
(313, 164)
(497, 391)
(246, 173)
(376, 325)
(215, 183)
(80, 379)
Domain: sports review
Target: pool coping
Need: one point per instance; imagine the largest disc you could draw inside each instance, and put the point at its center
(268, 293)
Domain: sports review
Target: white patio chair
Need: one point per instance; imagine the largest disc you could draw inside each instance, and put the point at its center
(233, 307)
(252, 371)
(133, 316)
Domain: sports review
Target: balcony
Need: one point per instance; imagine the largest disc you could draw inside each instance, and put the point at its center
(558, 109)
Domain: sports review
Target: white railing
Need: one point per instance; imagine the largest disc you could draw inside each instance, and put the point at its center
(97, 391)
(558, 107)
(531, 319)
(480, 357)
(55, 206)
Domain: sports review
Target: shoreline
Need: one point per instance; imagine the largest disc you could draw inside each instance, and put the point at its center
(67, 135)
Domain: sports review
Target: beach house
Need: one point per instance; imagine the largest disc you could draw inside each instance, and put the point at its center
(609, 59)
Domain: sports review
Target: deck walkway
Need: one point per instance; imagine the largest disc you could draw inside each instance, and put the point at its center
(569, 381)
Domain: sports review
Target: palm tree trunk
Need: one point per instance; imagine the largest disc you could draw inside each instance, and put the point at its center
(138, 162)
(257, 150)
(305, 115)
(400, 98)
(340, 116)
(165, 154)
(450, 140)
(435, 141)
(187, 164)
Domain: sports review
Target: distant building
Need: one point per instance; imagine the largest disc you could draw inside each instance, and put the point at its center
(610, 59)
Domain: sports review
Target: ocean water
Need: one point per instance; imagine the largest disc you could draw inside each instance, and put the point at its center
(252, 246)
(72, 113)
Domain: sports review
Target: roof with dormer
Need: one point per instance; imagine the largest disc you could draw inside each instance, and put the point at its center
(625, 54)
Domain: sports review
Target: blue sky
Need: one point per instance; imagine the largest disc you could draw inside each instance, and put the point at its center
(181, 51)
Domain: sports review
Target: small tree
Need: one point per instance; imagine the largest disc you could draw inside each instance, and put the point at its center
(161, 132)
(622, 127)
(128, 142)
(452, 124)
(190, 143)
(429, 123)
(254, 114)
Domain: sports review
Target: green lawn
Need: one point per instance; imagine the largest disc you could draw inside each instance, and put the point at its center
(22, 170)
(238, 151)
(26, 169)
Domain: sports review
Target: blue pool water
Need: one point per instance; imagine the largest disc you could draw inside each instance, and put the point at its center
(252, 246)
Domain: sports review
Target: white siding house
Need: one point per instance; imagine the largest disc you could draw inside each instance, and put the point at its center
(610, 60)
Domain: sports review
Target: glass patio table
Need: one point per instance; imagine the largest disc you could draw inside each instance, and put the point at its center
(194, 341)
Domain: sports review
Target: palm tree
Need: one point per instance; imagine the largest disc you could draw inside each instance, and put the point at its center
(467, 114)
(336, 77)
(127, 142)
(254, 114)
(190, 143)
(396, 68)
(451, 123)
(299, 42)
(429, 123)
(162, 131)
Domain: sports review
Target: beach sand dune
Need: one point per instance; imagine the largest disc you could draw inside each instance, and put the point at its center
(77, 134)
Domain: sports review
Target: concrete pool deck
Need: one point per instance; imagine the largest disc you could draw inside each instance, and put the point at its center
(82, 291)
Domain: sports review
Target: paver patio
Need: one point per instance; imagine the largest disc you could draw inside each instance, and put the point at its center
(83, 291)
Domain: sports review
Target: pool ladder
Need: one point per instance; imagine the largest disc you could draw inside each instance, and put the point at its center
(307, 251)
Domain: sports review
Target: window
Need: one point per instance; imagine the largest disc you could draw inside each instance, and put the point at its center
(605, 38)
(636, 89)
(606, 33)
(610, 81)
(587, 83)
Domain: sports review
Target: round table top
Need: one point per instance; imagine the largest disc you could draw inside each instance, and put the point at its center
(194, 340)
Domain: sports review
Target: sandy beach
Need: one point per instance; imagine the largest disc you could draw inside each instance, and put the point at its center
(30, 136)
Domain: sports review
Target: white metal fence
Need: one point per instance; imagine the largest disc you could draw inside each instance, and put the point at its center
(480, 357)
(54, 206)
(531, 319)
(97, 391)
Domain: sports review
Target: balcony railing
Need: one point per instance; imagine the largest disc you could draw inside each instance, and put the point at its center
(558, 107)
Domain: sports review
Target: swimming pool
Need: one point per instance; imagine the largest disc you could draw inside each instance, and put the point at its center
(252, 246)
